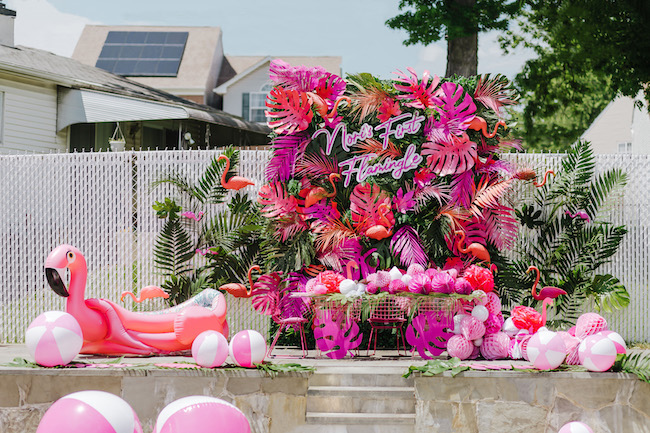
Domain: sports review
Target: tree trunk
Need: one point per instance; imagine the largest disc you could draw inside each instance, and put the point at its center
(462, 56)
(462, 46)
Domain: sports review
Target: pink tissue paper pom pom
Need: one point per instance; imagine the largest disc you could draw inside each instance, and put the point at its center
(372, 288)
(459, 347)
(493, 303)
(495, 346)
(494, 323)
(462, 286)
(383, 279)
(397, 286)
(571, 343)
(590, 324)
(480, 278)
(420, 283)
(431, 272)
(442, 282)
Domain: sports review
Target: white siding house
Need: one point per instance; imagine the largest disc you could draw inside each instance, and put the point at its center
(622, 127)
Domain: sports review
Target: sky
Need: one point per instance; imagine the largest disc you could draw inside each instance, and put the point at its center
(352, 29)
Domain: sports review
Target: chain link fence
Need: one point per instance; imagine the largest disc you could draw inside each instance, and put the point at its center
(102, 204)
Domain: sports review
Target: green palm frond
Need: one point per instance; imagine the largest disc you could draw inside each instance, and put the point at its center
(635, 363)
(609, 293)
(602, 188)
(173, 248)
(182, 185)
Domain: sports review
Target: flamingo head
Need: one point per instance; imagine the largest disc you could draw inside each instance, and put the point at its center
(530, 268)
(62, 259)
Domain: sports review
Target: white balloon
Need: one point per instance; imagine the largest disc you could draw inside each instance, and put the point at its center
(395, 274)
(478, 342)
(509, 328)
(457, 319)
(346, 286)
(480, 312)
(406, 279)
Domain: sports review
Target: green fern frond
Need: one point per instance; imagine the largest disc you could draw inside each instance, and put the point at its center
(173, 249)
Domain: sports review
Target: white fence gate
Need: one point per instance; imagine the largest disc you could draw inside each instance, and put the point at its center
(101, 203)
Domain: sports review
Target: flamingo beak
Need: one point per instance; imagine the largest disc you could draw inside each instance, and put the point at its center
(56, 282)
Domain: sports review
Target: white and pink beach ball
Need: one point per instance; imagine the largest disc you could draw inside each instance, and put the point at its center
(210, 349)
(247, 348)
(90, 411)
(621, 346)
(597, 353)
(54, 338)
(546, 350)
(201, 414)
(575, 427)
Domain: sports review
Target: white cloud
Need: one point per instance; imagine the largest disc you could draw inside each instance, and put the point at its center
(432, 58)
(40, 25)
(492, 60)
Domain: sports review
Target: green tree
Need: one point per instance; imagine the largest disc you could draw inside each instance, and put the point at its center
(588, 51)
(457, 21)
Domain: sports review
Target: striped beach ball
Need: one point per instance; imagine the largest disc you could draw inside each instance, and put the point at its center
(247, 348)
(210, 349)
(621, 346)
(597, 353)
(54, 338)
(201, 414)
(546, 350)
(90, 411)
(576, 427)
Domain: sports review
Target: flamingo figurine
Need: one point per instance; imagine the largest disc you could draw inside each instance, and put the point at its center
(348, 269)
(238, 290)
(479, 124)
(235, 182)
(318, 193)
(321, 105)
(475, 249)
(539, 185)
(148, 292)
(548, 292)
(111, 329)
(381, 231)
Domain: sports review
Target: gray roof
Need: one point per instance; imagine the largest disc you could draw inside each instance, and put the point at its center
(71, 73)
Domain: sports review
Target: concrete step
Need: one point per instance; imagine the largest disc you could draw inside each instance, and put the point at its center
(362, 419)
(359, 378)
(356, 428)
(364, 400)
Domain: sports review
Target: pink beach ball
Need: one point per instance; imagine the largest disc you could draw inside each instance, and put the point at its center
(54, 338)
(546, 350)
(201, 414)
(597, 353)
(210, 349)
(576, 427)
(90, 411)
(247, 348)
(621, 347)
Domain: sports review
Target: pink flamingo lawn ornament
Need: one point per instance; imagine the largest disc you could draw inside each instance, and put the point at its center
(321, 105)
(238, 290)
(318, 193)
(384, 229)
(110, 329)
(479, 124)
(348, 269)
(546, 292)
(539, 185)
(528, 318)
(582, 214)
(475, 249)
(148, 292)
(235, 182)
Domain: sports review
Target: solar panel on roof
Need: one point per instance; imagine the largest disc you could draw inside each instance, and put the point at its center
(134, 54)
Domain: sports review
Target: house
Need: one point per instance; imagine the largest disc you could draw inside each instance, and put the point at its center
(183, 61)
(622, 127)
(244, 82)
(53, 103)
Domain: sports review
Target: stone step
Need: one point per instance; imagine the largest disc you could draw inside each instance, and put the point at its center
(388, 420)
(355, 428)
(365, 400)
(361, 379)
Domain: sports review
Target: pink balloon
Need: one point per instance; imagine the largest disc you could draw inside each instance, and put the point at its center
(210, 349)
(201, 414)
(575, 427)
(546, 350)
(90, 411)
(597, 353)
(247, 348)
(54, 338)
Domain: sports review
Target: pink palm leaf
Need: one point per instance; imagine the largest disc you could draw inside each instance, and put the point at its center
(452, 156)
(462, 189)
(276, 200)
(424, 195)
(371, 145)
(501, 226)
(419, 94)
(364, 204)
(406, 244)
(289, 226)
(266, 294)
(290, 109)
(495, 92)
(286, 149)
(488, 194)
(300, 78)
(317, 164)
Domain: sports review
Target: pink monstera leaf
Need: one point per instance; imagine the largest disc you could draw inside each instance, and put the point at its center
(456, 111)
(428, 333)
(455, 155)
(300, 78)
(290, 110)
(330, 88)
(416, 93)
(276, 200)
(335, 334)
(266, 294)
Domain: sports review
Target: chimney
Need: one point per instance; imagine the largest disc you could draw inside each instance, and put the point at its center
(7, 17)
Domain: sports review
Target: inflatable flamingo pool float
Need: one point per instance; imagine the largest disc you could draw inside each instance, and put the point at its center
(111, 329)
